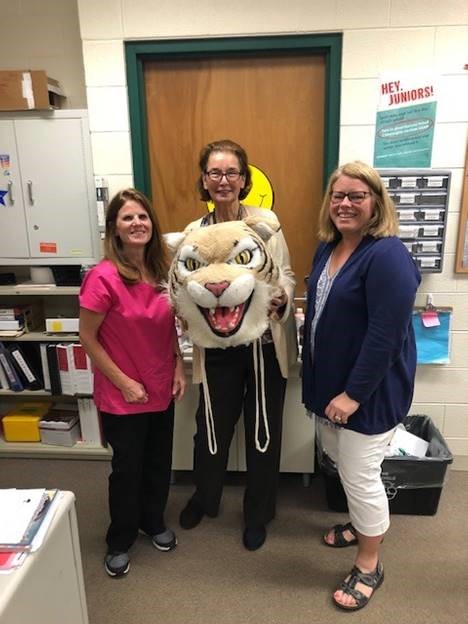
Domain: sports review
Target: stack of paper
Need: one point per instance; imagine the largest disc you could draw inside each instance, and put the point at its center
(405, 443)
(11, 560)
(23, 515)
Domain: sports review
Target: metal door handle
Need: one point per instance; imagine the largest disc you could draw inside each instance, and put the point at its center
(10, 192)
(30, 192)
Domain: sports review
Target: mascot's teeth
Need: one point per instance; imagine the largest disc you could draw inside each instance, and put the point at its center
(232, 309)
(212, 312)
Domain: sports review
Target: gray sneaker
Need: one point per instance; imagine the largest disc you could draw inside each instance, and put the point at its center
(117, 563)
(165, 540)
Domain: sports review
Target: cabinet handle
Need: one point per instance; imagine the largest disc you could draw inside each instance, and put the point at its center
(30, 192)
(10, 192)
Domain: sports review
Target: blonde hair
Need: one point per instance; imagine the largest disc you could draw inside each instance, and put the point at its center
(384, 221)
(155, 256)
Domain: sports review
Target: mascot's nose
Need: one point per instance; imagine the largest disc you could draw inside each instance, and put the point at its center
(217, 288)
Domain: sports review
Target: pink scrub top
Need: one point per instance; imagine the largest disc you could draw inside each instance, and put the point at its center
(138, 334)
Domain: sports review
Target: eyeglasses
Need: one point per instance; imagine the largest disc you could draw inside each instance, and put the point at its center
(356, 197)
(217, 175)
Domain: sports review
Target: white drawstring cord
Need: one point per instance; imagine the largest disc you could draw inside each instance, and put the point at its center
(259, 372)
(210, 428)
(257, 346)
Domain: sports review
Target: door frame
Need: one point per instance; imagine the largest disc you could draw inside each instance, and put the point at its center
(137, 52)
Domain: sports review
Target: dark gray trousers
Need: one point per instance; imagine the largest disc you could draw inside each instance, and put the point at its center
(141, 474)
(231, 382)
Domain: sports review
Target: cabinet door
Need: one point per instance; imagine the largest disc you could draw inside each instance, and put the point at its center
(13, 237)
(55, 186)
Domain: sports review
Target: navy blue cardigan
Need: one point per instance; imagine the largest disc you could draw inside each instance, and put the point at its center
(364, 341)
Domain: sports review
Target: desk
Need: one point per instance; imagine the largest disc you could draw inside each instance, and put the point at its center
(48, 588)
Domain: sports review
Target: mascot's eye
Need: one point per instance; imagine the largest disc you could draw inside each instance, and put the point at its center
(244, 257)
(191, 264)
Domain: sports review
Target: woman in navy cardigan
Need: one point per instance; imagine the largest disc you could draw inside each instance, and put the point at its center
(359, 357)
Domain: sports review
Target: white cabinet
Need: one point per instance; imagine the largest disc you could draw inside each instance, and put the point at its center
(49, 586)
(48, 206)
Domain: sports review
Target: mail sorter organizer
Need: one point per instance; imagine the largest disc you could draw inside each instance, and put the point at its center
(421, 200)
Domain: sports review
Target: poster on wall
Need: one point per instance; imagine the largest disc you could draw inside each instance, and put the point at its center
(404, 128)
(432, 333)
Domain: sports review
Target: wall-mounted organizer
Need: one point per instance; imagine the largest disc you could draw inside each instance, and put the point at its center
(421, 200)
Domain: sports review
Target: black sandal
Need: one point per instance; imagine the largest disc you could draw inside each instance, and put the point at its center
(339, 540)
(373, 579)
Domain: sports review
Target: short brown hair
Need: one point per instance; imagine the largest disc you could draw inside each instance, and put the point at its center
(224, 145)
(155, 257)
(384, 221)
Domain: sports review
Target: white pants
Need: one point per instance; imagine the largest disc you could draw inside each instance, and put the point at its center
(358, 458)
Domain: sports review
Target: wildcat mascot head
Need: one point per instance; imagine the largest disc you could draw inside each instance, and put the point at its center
(222, 279)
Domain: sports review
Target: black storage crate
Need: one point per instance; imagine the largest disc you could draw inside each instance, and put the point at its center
(413, 484)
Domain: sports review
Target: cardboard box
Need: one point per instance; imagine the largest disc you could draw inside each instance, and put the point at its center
(60, 427)
(29, 90)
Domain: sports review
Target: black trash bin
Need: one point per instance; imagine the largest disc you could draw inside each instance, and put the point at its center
(413, 484)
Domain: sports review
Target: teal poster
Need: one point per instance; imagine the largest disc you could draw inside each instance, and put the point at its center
(405, 121)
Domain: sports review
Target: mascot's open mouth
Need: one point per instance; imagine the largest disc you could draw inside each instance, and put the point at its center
(225, 321)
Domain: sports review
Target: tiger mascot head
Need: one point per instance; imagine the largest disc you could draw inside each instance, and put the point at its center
(222, 279)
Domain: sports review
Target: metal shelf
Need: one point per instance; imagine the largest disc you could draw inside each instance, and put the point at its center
(36, 336)
(49, 451)
(39, 290)
(42, 393)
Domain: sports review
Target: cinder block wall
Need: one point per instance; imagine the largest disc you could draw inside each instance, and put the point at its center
(378, 37)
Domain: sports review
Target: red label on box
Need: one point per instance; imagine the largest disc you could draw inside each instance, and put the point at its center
(48, 247)
(62, 357)
(79, 357)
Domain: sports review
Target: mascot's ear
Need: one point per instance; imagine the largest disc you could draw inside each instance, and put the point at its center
(173, 240)
(265, 228)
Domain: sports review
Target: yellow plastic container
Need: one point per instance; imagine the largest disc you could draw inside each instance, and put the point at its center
(21, 424)
(21, 428)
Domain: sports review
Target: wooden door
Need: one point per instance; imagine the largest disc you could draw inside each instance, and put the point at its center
(272, 105)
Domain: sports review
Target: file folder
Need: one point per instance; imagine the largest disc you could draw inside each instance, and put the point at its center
(26, 368)
(55, 385)
(10, 370)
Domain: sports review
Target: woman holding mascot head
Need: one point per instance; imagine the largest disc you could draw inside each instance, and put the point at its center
(230, 375)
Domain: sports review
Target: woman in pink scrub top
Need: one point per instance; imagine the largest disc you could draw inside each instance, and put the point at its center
(127, 327)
